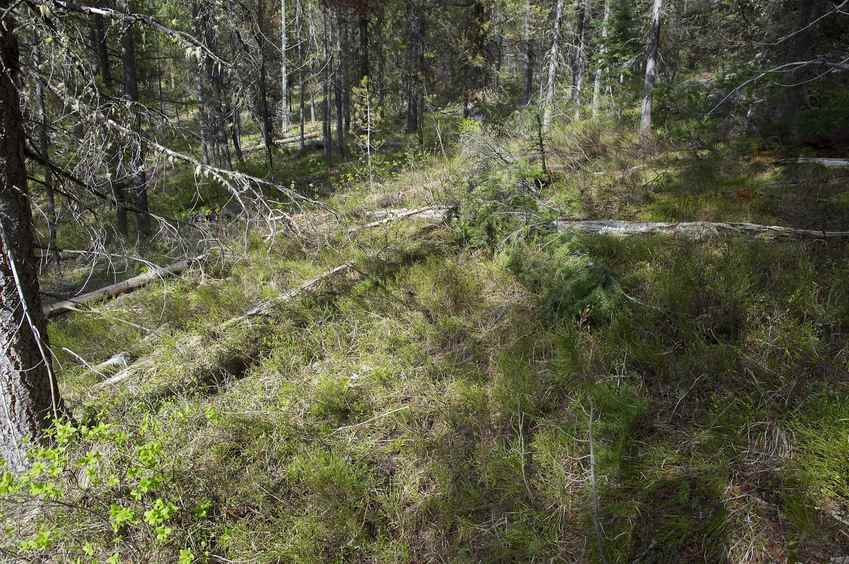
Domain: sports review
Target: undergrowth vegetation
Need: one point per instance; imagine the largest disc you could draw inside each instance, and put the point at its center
(485, 391)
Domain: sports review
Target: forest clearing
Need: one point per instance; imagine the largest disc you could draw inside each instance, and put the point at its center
(424, 281)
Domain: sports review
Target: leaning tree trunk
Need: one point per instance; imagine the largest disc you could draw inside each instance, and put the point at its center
(651, 68)
(553, 57)
(28, 393)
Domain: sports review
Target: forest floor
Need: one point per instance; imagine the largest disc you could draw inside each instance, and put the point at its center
(483, 389)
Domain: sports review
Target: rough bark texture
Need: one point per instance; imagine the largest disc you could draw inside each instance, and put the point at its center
(137, 177)
(28, 395)
(651, 68)
(326, 128)
(415, 54)
(102, 49)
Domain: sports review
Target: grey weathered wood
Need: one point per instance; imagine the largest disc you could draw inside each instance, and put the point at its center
(383, 217)
(694, 229)
(259, 310)
(114, 290)
(828, 163)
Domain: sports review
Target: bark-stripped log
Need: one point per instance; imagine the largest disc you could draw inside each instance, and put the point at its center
(828, 163)
(259, 310)
(114, 290)
(694, 229)
(383, 217)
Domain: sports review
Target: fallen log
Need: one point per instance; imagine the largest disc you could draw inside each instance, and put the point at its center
(258, 310)
(693, 230)
(282, 141)
(388, 216)
(828, 163)
(265, 307)
(114, 290)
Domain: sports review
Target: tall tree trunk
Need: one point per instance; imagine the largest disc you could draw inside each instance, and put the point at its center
(529, 54)
(266, 121)
(364, 41)
(44, 148)
(553, 58)
(381, 60)
(327, 134)
(579, 62)
(101, 46)
(29, 396)
(800, 48)
(301, 72)
(600, 67)
(284, 74)
(199, 24)
(338, 85)
(651, 68)
(234, 106)
(137, 180)
(414, 75)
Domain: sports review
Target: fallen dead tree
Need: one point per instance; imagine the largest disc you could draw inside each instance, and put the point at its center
(828, 163)
(114, 290)
(384, 217)
(259, 310)
(57, 308)
(267, 307)
(693, 230)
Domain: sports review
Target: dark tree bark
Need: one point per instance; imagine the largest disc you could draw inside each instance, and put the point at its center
(326, 128)
(381, 59)
(137, 176)
(364, 42)
(799, 48)
(262, 88)
(44, 149)
(28, 390)
(101, 48)
(415, 55)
